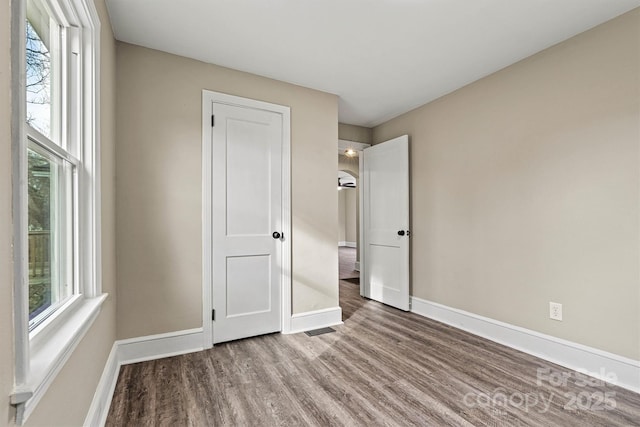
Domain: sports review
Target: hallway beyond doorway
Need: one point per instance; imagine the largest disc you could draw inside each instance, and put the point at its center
(347, 257)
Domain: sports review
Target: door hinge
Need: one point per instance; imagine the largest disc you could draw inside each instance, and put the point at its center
(213, 315)
(213, 120)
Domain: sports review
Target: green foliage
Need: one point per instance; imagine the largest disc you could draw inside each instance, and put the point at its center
(39, 208)
(39, 295)
(39, 190)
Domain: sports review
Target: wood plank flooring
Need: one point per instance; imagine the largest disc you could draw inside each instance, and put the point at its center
(382, 367)
(347, 263)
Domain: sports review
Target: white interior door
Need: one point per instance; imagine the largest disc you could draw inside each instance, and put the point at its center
(385, 200)
(247, 226)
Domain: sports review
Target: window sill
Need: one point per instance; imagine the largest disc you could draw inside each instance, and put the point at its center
(49, 355)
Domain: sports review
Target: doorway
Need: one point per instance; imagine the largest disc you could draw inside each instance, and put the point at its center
(348, 226)
(349, 220)
(246, 249)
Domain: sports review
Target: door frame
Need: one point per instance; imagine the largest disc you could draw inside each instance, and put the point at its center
(343, 145)
(209, 97)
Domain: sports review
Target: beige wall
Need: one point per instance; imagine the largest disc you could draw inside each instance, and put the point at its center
(6, 232)
(350, 213)
(347, 215)
(342, 216)
(159, 187)
(355, 133)
(525, 190)
(79, 377)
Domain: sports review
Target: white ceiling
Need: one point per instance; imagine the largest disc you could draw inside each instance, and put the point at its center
(382, 57)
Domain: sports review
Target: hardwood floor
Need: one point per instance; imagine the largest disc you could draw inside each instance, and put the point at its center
(347, 257)
(382, 367)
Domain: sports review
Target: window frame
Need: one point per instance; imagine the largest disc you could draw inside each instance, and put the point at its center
(41, 354)
(69, 232)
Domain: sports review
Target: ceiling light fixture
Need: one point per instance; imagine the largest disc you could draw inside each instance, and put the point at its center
(350, 152)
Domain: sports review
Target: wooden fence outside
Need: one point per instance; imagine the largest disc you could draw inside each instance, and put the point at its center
(39, 254)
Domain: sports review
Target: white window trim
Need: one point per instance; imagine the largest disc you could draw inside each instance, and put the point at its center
(39, 359)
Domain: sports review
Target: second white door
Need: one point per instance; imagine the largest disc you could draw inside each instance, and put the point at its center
(247, 221)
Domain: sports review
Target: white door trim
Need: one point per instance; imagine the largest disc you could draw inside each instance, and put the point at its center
(207, 233)
(364, 289)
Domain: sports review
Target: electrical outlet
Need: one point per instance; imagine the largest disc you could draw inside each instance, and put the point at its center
(555, 311)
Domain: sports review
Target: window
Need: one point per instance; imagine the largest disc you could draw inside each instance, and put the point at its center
(52, 81)
(38, 73)
(57, 290)
(51, 219)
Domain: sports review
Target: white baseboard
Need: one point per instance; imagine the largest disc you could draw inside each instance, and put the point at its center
(357, 266)
(135, 350)
(348, 244)
(99, 409)
(597, 363)
(153, 347)
(311, 320)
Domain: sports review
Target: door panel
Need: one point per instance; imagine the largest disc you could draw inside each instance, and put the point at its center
(248, 178)
(248, 285)
(384, 271)
(247, 209)
(385, 186)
